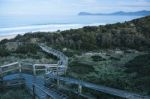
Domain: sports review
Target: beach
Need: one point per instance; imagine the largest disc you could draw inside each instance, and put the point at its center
(11, 32)
(7, 36)
(20, 25)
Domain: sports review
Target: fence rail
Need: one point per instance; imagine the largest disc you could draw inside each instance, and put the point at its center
(100, 88)
(60, 67)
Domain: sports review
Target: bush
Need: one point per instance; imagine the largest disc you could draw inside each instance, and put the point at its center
(27, 48)
(97, 58)
(80, 68)
(4, 51)
(15, 94)
(141, 67)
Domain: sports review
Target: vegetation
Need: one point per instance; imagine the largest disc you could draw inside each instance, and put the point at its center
(4, 51)
(128, 68)
(80, 68)
(15, 94)
(133, 34)
(140, 67)
(97, 58)
(27, 48)
(105, 72)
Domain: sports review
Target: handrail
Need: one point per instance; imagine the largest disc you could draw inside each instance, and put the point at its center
(59, 54)
(8, 67)
(14, 63)
(46, 65)
(64, 60)
(63, 63)
(100, 88)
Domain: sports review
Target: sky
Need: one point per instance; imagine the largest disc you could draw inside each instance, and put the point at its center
(68, 7)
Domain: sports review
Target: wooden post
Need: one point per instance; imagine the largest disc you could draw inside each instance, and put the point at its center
(58, 82)
(34, 70)
(57, 70)
(33, 92)
(79, 89)
(65, 73)
(19, 67)
(46, 69)
(1, 83)
(57, 78)
(34, 74)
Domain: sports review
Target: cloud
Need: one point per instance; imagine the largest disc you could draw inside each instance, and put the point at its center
(68, 7)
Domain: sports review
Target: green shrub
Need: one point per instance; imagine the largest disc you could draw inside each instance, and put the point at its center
(97, 58)
(4, 51)
(15, 94)
(80, 68)
(141, 67)
(27, 48)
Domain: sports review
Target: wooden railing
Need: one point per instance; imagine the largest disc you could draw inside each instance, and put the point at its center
(10, 67)
(63, 63)
(63, 59)
(100, 88)
(19, 66)
(55, 69)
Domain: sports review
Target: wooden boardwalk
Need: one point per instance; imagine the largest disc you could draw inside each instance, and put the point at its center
(36, 84)
(100, 88)
(41, 91)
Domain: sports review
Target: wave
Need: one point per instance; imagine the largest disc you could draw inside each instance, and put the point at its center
(43, 28)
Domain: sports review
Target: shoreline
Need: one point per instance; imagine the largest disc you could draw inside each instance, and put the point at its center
(12, 32)
(7, 36)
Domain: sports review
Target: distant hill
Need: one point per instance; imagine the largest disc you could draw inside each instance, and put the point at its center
(138, 13)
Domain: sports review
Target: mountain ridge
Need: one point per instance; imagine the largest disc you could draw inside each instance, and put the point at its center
(137, 13)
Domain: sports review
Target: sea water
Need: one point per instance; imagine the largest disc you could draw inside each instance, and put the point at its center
(22, 24)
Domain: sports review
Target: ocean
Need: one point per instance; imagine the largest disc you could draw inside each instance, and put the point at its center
(10, 25)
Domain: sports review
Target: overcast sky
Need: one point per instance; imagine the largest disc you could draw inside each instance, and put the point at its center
(68, 7)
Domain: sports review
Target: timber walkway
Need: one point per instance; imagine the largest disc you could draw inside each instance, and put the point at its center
(36, 83)
(100, 88)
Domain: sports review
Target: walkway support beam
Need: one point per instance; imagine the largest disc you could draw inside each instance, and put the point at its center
(20, 68)
(79, 89)
(33, 92)
(34, 70)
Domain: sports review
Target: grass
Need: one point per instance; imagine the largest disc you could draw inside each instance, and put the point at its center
(15, 94)
(127, 73)
(140, 66)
